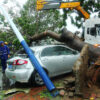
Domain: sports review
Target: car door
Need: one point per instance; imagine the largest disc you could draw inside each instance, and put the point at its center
(51, 60)
(69, 57)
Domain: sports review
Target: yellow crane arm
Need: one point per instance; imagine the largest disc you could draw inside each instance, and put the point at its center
(84, 13)
(60, 4)
(69, 4)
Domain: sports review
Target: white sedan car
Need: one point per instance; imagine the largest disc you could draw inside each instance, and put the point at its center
(55, 60)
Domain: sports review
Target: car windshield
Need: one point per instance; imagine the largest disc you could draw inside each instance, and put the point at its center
(22, 53)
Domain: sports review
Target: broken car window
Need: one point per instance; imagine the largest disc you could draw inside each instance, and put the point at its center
(56, 51)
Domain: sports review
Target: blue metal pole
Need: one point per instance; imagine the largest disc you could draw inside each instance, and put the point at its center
(33, 59)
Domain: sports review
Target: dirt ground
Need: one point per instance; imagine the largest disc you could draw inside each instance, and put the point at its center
(41, 93)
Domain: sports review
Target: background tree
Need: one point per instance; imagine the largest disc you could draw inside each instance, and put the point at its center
(91, 6)
(30, 22)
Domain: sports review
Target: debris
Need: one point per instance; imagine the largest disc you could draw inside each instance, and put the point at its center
(89, 84)
(65, 82)
(98, 95)
(72, 89)
(66, 94)
(62, 92)
(86, 96)
(70, 94)
(92, 98)
(12, 91)
(60, 87)
(93, 95)
(70, 80)
(93, 73)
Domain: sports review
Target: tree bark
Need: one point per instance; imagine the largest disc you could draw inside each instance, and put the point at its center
(70, 39)
(80, 67)
(44, 35)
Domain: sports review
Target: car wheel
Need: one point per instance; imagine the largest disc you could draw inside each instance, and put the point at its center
(37, 79)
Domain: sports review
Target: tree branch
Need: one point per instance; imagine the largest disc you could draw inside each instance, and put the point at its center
(44, 35)
(69, 38)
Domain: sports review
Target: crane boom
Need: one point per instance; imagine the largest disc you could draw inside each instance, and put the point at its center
(60, 4)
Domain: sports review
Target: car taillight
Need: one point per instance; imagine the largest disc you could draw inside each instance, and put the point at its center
(20, 62)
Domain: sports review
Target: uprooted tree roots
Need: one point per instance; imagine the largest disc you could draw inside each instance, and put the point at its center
(87, 73)
(93, 74)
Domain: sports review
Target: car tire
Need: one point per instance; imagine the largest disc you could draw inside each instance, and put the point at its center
(36, 78)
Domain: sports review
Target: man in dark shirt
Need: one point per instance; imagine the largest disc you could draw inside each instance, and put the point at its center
(4, 55)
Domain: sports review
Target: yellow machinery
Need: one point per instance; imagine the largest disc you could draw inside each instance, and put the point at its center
(58, 4)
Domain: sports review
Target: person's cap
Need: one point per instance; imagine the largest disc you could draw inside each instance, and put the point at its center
(1, 42)
(6, 43)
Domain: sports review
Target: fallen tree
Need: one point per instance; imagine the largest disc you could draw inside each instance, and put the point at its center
(69, 39)
(86, 74)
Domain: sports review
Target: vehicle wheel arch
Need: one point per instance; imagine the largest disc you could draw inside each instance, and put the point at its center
(46, 71)
(32, 78)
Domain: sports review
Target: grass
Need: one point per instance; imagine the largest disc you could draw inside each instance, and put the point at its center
(1, 95)
(45, 94)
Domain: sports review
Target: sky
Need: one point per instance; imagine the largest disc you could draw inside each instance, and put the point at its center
(11, 3)
(21, 2)
(72, 27)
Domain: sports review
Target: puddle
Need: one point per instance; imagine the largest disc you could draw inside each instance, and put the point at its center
(0, 79)
(5, 83)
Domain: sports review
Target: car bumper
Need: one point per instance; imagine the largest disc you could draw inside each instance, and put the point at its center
(19, 75)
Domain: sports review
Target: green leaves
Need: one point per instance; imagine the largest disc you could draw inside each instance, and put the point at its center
(91, 6)
(30, 22)
(33, 22)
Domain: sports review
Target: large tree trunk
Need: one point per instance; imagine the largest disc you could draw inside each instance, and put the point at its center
(80, 67)
(69, 38)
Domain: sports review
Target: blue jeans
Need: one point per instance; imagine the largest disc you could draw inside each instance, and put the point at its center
(4, 65)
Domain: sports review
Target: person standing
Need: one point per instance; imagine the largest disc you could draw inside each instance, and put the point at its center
(4, 55)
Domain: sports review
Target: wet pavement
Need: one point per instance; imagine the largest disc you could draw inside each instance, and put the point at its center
(0, 78)
(5, 83)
